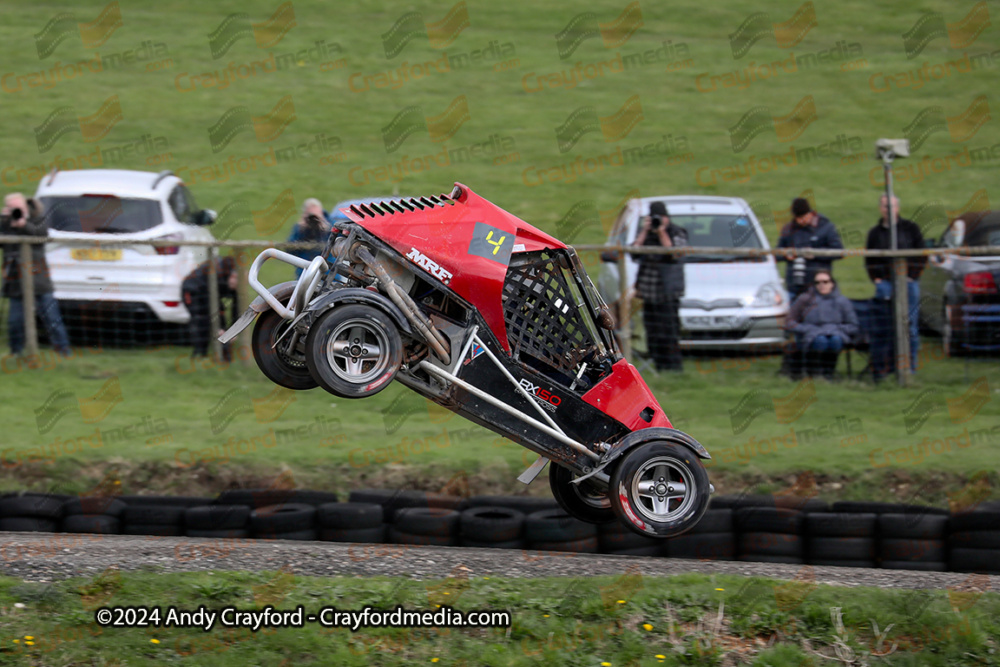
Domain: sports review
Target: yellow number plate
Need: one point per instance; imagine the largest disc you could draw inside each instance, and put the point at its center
(96, 254)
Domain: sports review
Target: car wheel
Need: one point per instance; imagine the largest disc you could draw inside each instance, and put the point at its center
(354, 351)
(586, 501)
(659, 489)
(280, 363)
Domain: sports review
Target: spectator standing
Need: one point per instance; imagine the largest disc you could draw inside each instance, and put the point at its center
(660, 284)
(908, 236)
(312, 227)
(807, 229)
(823, 321)
(195, 291)
(26, 217)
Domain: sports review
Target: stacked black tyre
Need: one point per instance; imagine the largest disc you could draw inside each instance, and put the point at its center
(257, 498)
(614, 537)
(712, 538)
(913, 541)
(157, 515)
(555, 530)
(491, 528)
(770, 534)
(840, 539)
(394, 500)
(31, 512)
(93, 514)
(287, 521)
(425, 525)
(524, 504)
(351, 522)
(975, 542)
(217, 521)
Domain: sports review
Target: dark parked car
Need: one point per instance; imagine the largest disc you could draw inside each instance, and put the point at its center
(961, 300)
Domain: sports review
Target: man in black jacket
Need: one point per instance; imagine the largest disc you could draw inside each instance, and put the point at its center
(808, 229)
(908, 235)
(194, 289)
(25, 217)
(660, 284)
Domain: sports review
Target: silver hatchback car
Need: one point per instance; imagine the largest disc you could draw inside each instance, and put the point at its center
(729, 303)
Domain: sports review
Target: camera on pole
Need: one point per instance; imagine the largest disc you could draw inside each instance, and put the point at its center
(887, 150)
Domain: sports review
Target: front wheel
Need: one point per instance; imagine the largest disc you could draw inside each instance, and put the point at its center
(660, 489)
(282, 363)
(586, 501)
(354, 351)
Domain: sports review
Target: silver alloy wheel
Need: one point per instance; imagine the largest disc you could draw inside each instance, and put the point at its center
(663, 489)
(358, 351)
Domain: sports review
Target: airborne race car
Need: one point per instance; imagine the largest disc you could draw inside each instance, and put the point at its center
(496, 321)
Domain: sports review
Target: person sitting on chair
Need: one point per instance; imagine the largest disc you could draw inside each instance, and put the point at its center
(823, 321)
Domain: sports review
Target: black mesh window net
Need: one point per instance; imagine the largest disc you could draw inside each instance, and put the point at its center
(540, 311)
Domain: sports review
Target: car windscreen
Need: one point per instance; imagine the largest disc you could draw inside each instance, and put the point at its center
(719, 231)
(101, 214)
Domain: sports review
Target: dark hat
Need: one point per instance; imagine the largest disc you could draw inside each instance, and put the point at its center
(800, 206)
(657, 208)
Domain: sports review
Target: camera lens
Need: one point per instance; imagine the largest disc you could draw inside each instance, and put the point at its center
(16, 214)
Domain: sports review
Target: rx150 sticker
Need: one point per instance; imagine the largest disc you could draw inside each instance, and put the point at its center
(545, 398)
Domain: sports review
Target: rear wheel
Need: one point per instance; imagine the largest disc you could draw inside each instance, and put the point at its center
(586, 501)
(354, 351)
(282, 364)
(659, 489)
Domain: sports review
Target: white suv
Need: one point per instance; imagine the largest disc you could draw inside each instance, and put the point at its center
(120, 209)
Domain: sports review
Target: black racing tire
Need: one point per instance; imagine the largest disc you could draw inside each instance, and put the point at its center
(217, 517)
(428, 521)
(556, 526)
(658, 465)
(349, 516)
(491, 524)
(911, 565)
(28, 524)
(833, 562)
(770, 544)
(714, 521)
(916, 551)
(975, 521)
(279, 364)
(587, 545)
(768, 520)
(224, 534)
(354, 351)
(372, 535)
(153, 529)
(840, 524)
(257, 498)
(37, 505)
(614, 537)
(762, 558)
(174, 501)
(94, 506)
(868, 507)
(482, 544)
(984, 561)
(101, 524)
(286, 518)
(589, 503)
(164, 515)
(975, 539)
(702, 546)
(913, 526)
(309, 535)
(397, 536)
(841, 548)
(524, 504)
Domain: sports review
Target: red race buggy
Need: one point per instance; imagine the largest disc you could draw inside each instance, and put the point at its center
(496, 321)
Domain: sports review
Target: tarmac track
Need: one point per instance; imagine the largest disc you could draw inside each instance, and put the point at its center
(45, 557)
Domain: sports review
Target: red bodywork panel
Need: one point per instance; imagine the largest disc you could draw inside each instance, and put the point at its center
(462, 239)
(623, 395)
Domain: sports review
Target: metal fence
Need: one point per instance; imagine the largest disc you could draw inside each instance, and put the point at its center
(110, 322)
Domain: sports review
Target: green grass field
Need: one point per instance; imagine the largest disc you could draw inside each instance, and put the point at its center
(346, 90)
(625, 620)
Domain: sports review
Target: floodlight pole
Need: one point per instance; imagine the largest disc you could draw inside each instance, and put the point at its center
(899, 286)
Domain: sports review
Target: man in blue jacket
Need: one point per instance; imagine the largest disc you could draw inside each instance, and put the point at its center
(808, 229)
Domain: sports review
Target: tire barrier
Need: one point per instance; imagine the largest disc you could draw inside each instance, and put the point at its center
(779, 529)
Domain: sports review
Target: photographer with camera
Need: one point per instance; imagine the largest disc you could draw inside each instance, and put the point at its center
(660, 284)
(25, 217)
(312, 227)
(807, 229)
